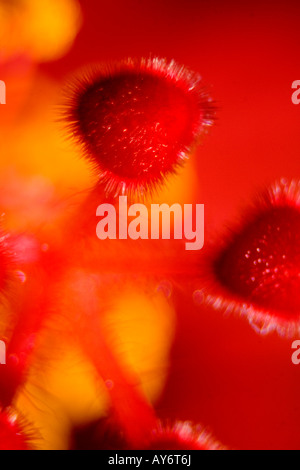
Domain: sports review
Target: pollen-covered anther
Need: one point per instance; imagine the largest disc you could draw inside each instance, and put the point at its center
(138, 121)
(257, 272)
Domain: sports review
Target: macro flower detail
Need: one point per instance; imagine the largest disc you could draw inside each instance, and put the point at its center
(168, 435)
(183, 436)
(138, 121)
(13, 432)
(133, 316)
(257, 271)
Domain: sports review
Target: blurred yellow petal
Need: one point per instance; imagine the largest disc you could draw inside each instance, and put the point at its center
(60, 391)
(39, 168)
(43, 30)
(140, 329)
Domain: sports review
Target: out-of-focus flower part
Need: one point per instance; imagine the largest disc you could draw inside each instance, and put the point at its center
(61, 390)
(29, 301)
(183, 436)
(103, 434)
(140, 328)
(13, 433)
(6, 263)
(41, 174)
(127, 337)
(256, 271)
(42, 30)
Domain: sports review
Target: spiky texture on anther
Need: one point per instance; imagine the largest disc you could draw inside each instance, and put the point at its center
(137, 121)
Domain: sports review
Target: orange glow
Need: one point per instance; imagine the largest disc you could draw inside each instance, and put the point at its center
(42, 30)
